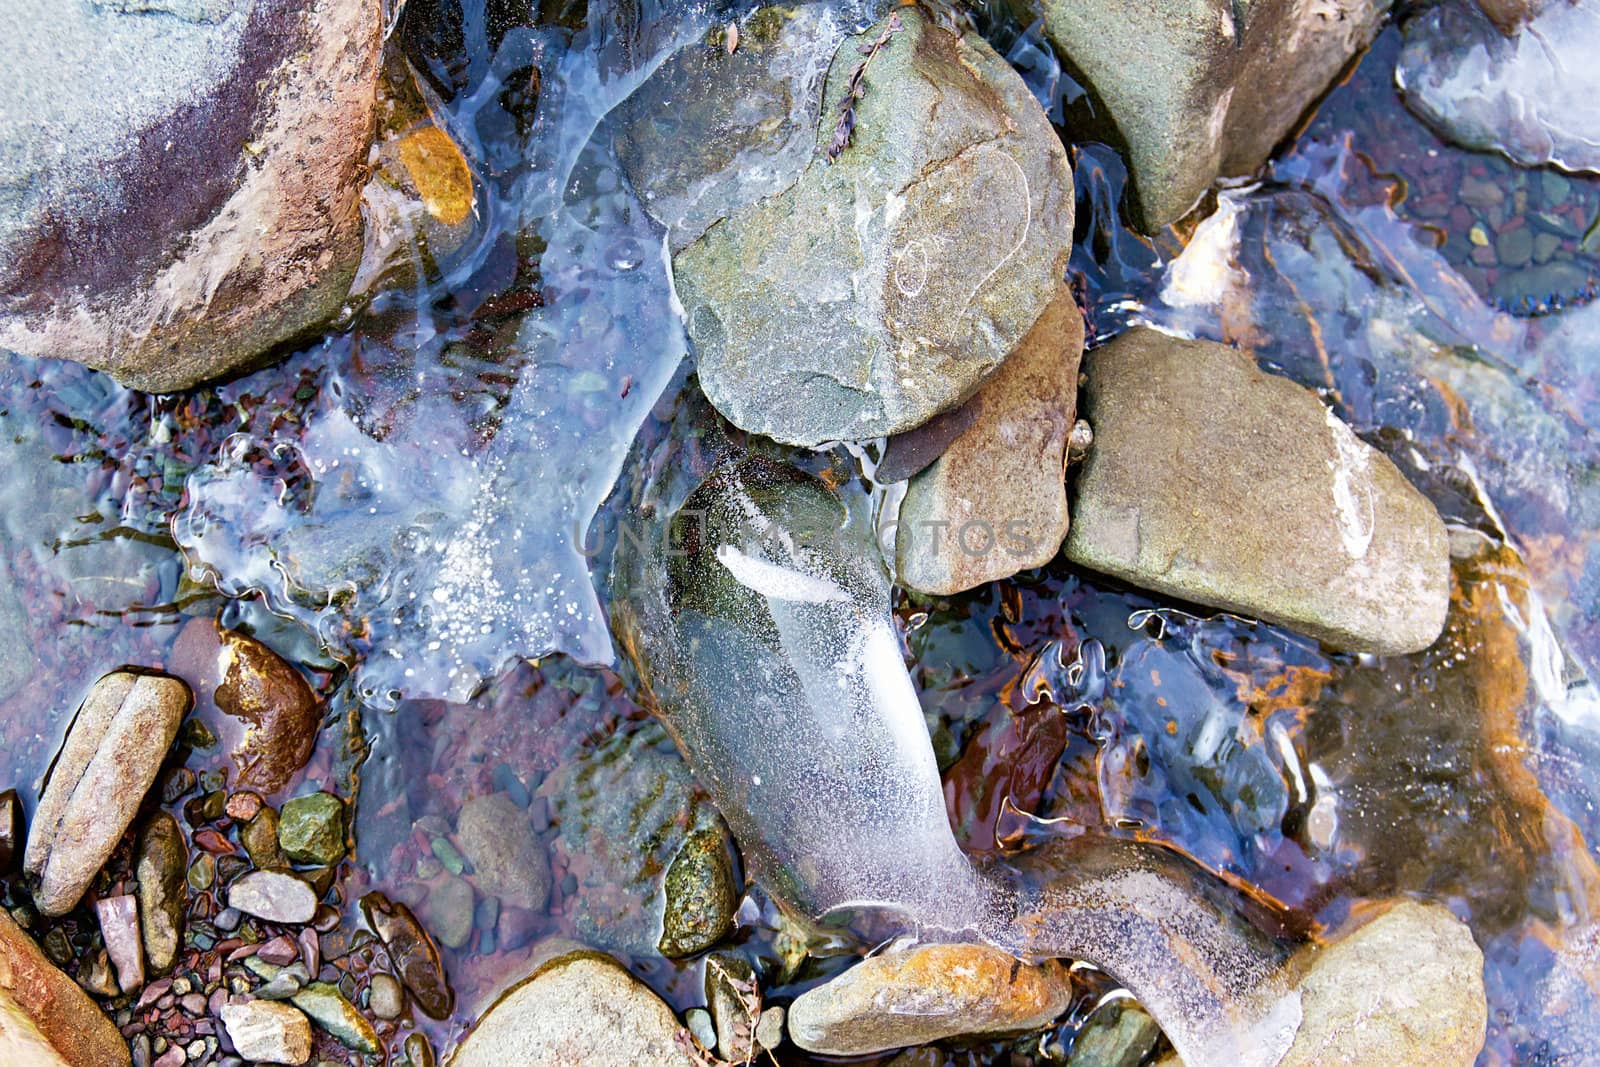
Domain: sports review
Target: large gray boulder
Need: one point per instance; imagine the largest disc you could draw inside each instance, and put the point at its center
(1213, 481)
(179, 179)
(882, 288)
(1200, 88)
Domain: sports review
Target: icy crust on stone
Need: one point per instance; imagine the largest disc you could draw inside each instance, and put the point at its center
(440, 555)
(762, 630)
(771, 653)
(1530, 95)
(1182, 941)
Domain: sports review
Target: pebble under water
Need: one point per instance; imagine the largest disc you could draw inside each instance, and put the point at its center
(419, 509)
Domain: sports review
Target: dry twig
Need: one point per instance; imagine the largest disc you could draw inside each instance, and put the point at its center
(856, 88)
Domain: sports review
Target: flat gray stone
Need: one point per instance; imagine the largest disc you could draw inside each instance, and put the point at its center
(508, 860)
(273, 896)
(883, 288)
(1200, 88)
(1213, 481)
(995, 501)
(578, 1008)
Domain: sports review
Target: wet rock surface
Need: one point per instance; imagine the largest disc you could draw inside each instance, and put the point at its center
(415, 956)
(279, 712)
(924, 994)
(163, 860)
(1213, 481)
(931, 245)
(266, 106)
(1116, 1035)
(624, 814)
(995, 501)
(311, 829)
(107, 763)
(578, 1008)
(750, 111)
(37, 995)
(508, 860)
(1199, 90)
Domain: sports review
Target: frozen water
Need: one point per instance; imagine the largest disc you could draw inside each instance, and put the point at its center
(1530, 96)
(793, 704)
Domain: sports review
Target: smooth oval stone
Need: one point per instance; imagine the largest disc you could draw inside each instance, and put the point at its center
(412, 951)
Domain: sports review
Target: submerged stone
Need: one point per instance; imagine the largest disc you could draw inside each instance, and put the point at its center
(715, 129)
(1213, 481)
(883, 287)
(926, 994)
(625, 814)
(1117, 1035)
(1194, 90)
(995, 502)
(413, 953)
(508, 860)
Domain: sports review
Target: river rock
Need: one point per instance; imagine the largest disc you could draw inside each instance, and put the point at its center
(119, 929)
(412, 952)
(924, 994)
(625, 812)
(883, 288)
(1530, 95)
(995, 502)
(714, 130)
(448, 910)
(163, 860)
(260, 839)
(12, 834)
(265, 107)
(507, 858)
(311, 829)
(279, 711)
(106, 765)
(16, 647)
(1116, 1035)
(578, 1008)
(267, 1031)
(1213, 481)
(40, 1006)
(1194, 89)
(1407, 987)
(731, 993)
(274, 896)
(330, 1010)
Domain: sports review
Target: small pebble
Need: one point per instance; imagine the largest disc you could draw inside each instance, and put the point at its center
(769, 1028)
(701, 1026)
(418, 1051)
(243, 806)
(227, 919)
(194, 1003)
(202, 872)
(385, 997)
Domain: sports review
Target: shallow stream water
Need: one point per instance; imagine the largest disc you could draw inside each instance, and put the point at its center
(407, 508)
